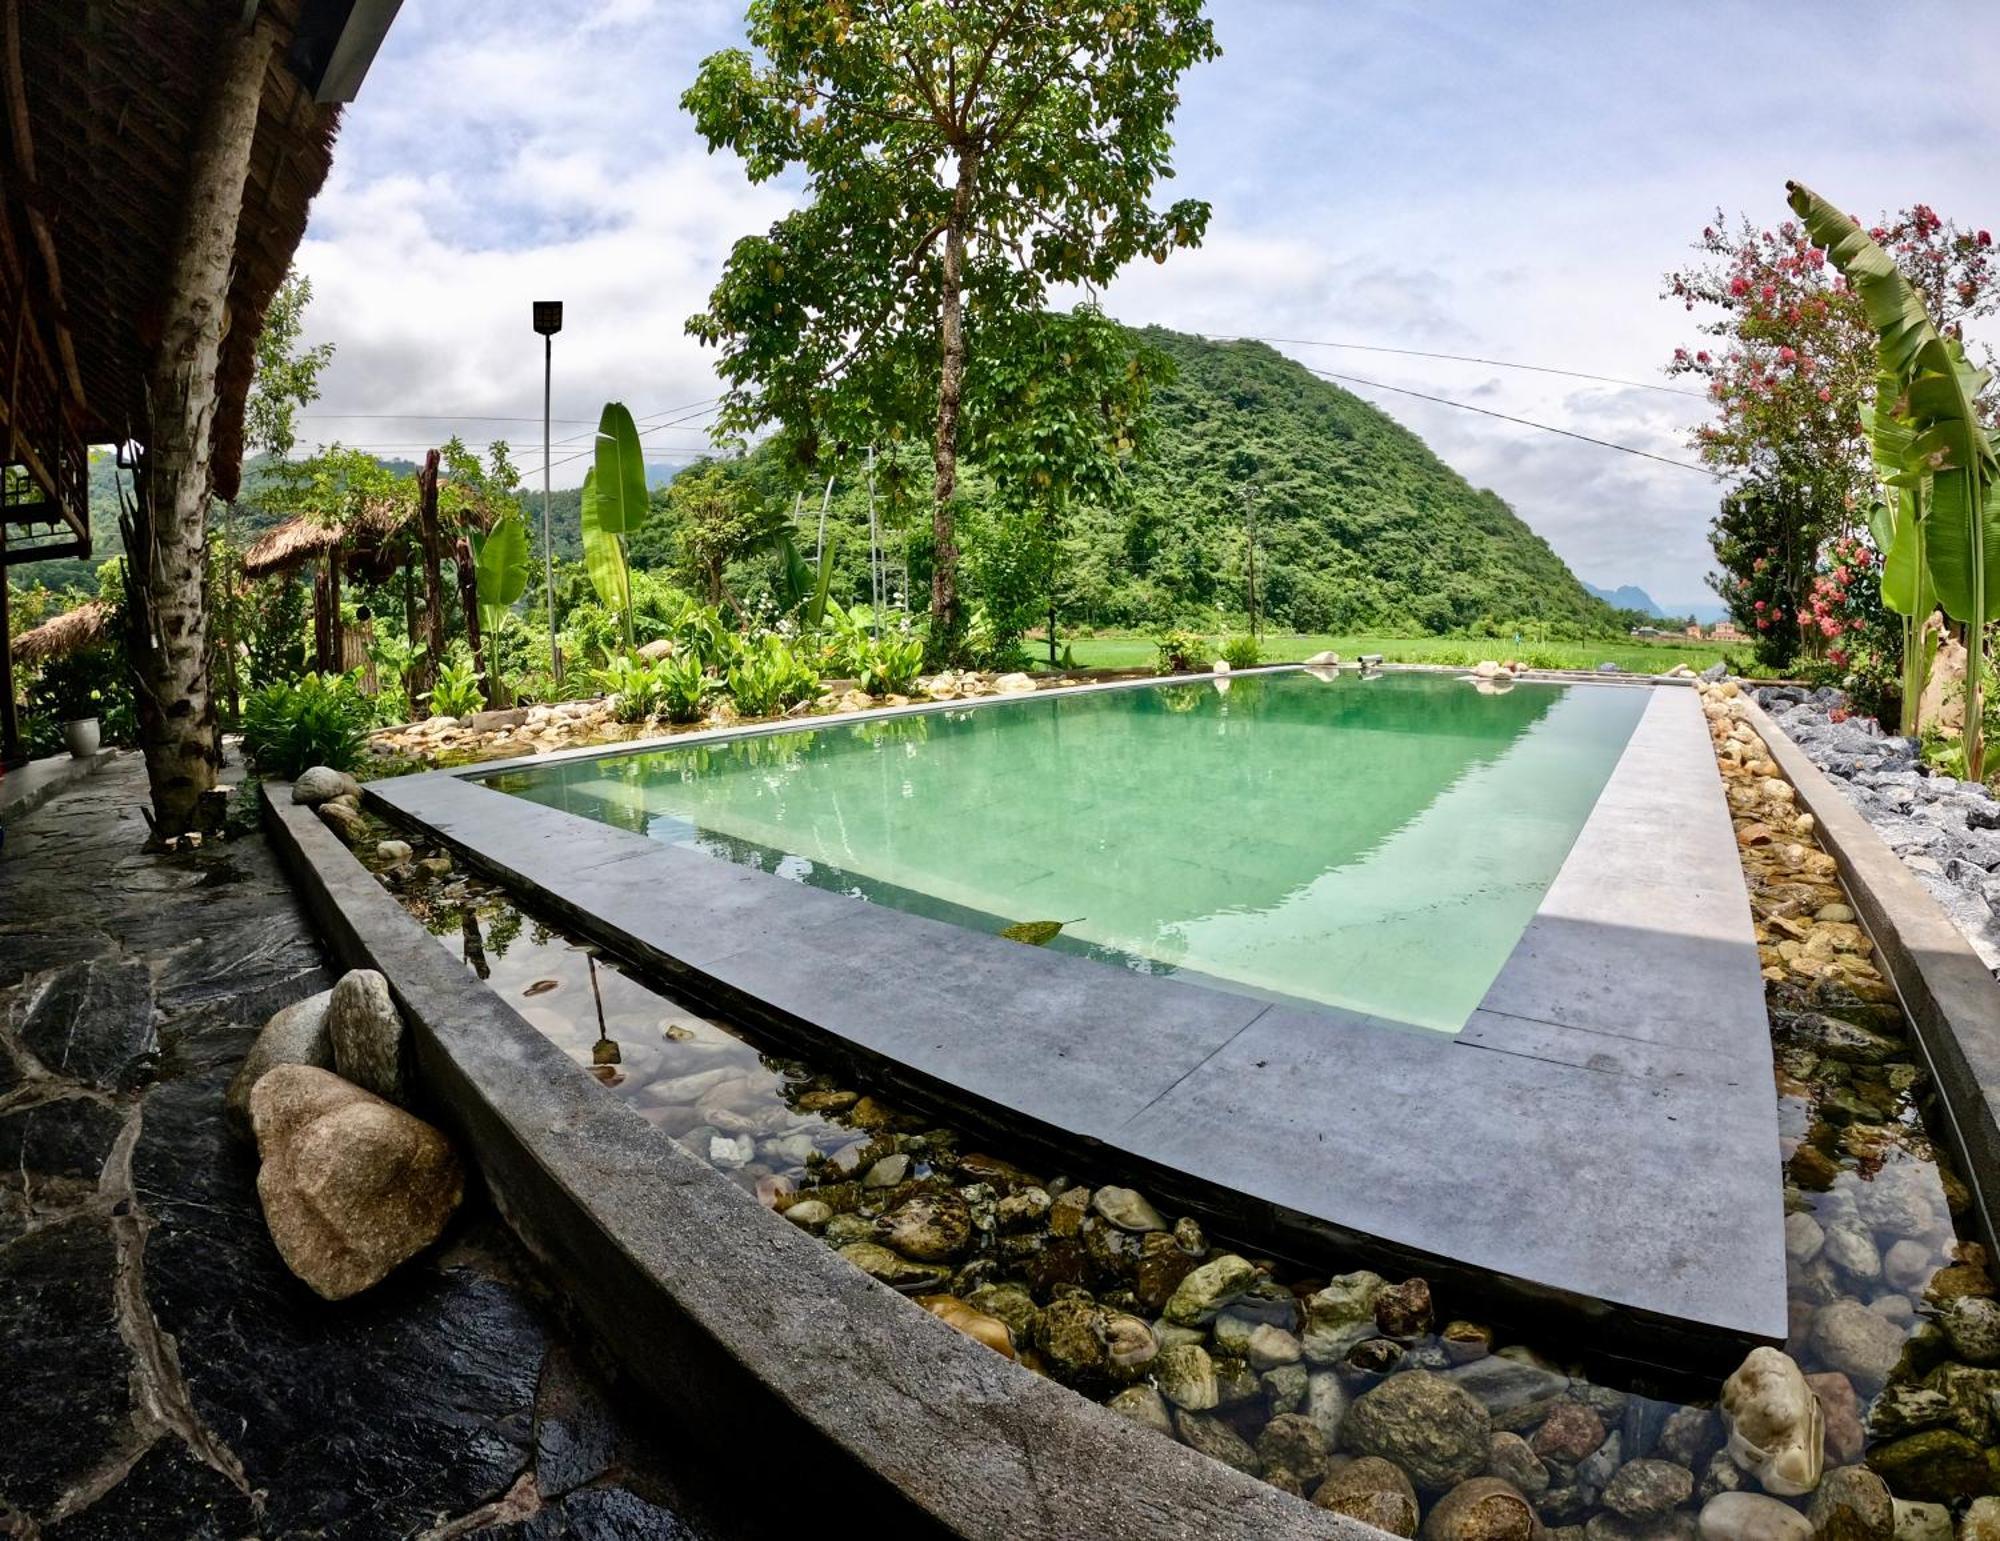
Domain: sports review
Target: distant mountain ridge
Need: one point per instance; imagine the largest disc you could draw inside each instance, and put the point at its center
(1627, 597)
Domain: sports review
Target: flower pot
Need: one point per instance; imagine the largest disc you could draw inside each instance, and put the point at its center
(81, 736)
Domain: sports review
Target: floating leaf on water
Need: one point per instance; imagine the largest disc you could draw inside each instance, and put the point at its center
(541, 987)
(1036, 933)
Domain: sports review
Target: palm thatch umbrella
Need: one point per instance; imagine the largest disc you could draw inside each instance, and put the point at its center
(71, 632)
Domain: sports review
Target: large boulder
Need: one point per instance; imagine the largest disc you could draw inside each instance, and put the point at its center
(1438, 1434)
(367, 1033)
(297, 1035)
(351, 1185)
(322, 784)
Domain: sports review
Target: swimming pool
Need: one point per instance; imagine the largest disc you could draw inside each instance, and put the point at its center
(1378, 844)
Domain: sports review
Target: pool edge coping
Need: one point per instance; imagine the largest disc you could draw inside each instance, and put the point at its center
(1756, 1319)
(895, 1404)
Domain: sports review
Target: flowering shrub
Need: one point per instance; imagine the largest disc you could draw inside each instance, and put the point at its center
(1861, 639)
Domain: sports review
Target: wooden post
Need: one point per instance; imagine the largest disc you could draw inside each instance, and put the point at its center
(166, 545)
(10, 726)
(429, 538)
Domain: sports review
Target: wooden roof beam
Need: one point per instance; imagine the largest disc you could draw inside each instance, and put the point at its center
(38, 223)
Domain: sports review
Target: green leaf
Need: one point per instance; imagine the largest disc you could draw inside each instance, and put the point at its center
(1035, 933)
(603, 552)
(620, 469)
(500, 560)
(1936, 393)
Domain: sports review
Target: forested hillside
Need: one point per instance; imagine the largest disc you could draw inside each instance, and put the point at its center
(1359, 525)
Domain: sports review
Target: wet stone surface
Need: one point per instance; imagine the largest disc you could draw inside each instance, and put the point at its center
(1347, 1388)
(164, 1374)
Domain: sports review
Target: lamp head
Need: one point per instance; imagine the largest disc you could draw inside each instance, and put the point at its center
(548, 317)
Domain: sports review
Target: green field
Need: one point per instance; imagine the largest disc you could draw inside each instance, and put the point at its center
(1133, 651)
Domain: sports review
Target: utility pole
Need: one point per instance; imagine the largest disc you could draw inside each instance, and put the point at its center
(548, 321)
(1250, 535)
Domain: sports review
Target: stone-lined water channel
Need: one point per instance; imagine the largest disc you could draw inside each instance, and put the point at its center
(1368, 1395)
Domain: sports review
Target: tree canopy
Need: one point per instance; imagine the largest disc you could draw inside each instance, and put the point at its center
(959, 159)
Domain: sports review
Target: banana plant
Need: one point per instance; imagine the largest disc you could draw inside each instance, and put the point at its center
(614, 506)
(500, 570)
(1900, 526)
(1937, 390)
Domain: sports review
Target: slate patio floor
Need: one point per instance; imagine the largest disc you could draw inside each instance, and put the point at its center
(161, 1373)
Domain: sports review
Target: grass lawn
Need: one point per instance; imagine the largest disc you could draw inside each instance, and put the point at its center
(1133, 651)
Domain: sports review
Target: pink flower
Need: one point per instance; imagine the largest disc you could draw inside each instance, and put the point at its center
(1701, 357)
(1787, 355)
(1739, 287)
(1825, 394)
(1985, 238)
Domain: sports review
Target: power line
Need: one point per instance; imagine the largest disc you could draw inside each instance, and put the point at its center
(1525, 422)
(1466, 358)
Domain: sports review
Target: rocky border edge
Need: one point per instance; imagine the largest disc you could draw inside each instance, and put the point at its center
(1953, 1002)
(768, 1350)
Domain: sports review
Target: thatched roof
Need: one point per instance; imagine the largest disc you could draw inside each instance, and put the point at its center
(85, 626)
(115, 93)
(289, 546)
(369, 546)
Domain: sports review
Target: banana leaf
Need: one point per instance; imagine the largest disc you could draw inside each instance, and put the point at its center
(1937, 388)
(603, 551)
(620, 469)
(500, 564)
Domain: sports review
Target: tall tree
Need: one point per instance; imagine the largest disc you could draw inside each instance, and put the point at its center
(959, 156)
(288, 372)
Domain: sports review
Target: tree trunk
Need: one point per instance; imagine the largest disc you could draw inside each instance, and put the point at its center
(468, 598)
(946, 626)
(429, 538)
(166, 540)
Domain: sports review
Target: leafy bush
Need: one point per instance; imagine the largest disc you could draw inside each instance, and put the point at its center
(890, 666)
(893, 665)
(1180, 651)
(633, 686)
(1242, 653)
(290, 727)
(457, 692)
(684, 687)
(769, 677)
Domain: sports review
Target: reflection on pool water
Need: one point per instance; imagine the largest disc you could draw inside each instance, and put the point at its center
(1376, 844)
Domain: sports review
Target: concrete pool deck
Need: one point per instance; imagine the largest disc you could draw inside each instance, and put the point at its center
(1599, 1143)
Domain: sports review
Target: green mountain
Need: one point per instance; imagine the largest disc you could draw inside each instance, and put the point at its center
(1359, 526)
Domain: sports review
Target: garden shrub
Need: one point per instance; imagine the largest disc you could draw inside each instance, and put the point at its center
(1242, 653)
(1180, 651)
(769, 677)
(289, 727)
(890, 666)
(457, 692)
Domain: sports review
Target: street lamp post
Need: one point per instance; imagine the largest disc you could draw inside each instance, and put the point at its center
(548, 321)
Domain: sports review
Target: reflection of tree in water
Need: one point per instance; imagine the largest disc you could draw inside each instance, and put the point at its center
(503, 927)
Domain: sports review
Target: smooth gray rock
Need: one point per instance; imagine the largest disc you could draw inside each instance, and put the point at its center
(367, 1034)
(321, 785)
(297, 1035)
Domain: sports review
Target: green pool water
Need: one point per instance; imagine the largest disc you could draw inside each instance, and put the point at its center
(1373, 844)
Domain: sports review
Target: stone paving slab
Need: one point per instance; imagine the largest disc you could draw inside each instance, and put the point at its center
(1605, 1135)
(164, 1374)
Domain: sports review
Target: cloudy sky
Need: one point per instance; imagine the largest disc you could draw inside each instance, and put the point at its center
(1460, 176)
